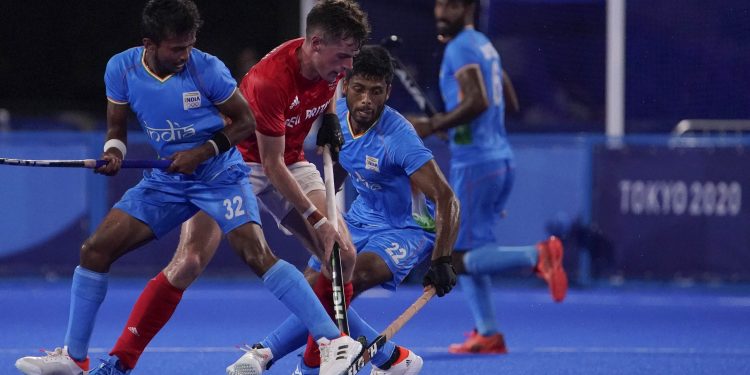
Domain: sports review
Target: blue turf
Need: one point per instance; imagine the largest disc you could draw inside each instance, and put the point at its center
(644, 329)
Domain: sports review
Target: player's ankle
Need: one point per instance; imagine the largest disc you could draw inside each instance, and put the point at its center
(399, 355)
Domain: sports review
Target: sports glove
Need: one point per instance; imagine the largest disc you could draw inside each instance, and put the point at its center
(330, 134)
(441, 275)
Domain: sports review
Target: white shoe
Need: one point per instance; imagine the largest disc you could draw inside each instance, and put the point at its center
(337, 354)
(411, 365)
(56, 362)
(253, 362)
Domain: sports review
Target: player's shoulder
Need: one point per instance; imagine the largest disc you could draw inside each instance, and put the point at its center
(128, 57)
(392, 123)
(203, 59)
(274, 70)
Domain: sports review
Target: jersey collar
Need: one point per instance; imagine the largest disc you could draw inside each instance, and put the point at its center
(152, 74)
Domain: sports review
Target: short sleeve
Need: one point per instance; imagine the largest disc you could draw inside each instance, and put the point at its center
(407, 148)
(267, 101)
(460, 54)
(217, 81)
(115, 80)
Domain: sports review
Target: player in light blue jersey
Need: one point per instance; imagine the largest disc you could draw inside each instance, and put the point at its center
(383, 156)
(179, 95)
(482, 171)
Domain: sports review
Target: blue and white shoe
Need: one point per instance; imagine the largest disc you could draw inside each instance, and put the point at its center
(109, 367)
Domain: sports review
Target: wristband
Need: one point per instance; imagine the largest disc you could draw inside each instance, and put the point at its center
(443, 259)
(220, 142)
(213, 144)
(118, 144)
(309, 212)
(320, 223)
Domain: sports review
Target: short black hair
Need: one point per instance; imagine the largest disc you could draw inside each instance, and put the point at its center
(372, 62)
(339, 19)
(162, 19)
(465, 2)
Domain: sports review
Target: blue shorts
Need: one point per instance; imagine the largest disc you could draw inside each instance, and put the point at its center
(483, 190)
(164, 201)
(401, 248)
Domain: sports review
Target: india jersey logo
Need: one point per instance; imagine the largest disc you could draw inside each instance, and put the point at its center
(191, 100)
(173, 132)
(371, 163)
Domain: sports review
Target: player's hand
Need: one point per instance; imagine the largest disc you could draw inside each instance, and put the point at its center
(330, 134)
(422, 125)
(328, 235)
(114, 162)
(186, 162)
(441, 275)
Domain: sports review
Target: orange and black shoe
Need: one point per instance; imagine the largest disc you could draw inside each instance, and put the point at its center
(549, 267)
(478, 344)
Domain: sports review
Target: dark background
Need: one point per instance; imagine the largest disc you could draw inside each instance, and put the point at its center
(685, 58)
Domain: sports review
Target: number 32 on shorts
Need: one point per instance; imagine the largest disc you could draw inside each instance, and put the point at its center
(234, 207)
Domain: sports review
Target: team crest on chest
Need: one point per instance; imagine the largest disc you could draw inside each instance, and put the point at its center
(191, 100)
(371, 163)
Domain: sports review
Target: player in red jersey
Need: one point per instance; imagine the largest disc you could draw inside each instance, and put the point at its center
(287, 91)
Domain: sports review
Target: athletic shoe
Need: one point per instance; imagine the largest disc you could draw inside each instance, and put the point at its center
(549, 267)
(109, 367)
(411, 365)
(336, 355)
(478, 344)
(56, 362)
(255, 360)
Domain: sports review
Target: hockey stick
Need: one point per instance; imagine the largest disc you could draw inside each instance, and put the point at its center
(85, 163)
(366, 355)
(410, 84)
(339, 301)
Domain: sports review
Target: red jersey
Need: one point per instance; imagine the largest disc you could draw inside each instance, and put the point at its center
(283, 101)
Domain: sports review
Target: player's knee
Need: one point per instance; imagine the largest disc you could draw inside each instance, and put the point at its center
(191, 267)
(94, 256)
(364, 279)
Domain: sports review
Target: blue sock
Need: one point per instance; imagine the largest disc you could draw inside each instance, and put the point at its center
(291, 288)
(286, 338)
(86, 295)
(477, 289)
(492, 258)
(358, 327)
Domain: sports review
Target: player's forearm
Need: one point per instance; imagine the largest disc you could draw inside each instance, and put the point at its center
(447, 211)
(240, 128)
(464, 113)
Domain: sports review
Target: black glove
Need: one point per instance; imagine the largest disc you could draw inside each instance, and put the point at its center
(330, 134)
(441, 275)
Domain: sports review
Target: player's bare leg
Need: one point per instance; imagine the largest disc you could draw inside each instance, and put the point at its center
(116, 235)
(199, 239)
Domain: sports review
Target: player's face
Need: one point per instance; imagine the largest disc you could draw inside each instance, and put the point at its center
(365, 98)
(171, 55)
(449, 17)
(331, 58)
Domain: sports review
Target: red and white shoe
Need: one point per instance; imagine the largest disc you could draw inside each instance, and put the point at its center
(411, 365)
(549, 267)
(56, 362)
(478, 344)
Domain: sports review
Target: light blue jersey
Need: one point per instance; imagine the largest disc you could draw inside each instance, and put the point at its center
(380, 162)
(483, 139)
(178, 112)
